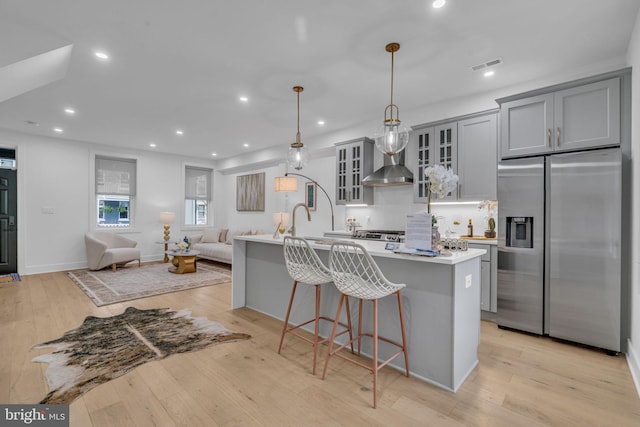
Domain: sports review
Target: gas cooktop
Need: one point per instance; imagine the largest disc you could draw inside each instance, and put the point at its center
(383, 235)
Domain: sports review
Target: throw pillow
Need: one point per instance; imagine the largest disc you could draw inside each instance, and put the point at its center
(231, 234)
(211, 235)
(223, 235)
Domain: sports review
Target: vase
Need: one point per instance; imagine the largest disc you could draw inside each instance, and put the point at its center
(435, 239)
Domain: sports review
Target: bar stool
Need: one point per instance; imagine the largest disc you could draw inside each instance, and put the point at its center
(304, 266)
(356, 274)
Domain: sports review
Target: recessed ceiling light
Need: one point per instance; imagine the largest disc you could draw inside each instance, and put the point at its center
(152, 145)
(101, 55)
(320, 122)
(69, 111)
(245, 145)
(59, 130)
(489, 73)
(437, 4)
(214, 154)
(179, 132)
(244, 99)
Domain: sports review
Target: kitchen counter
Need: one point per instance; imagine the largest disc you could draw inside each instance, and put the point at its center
(480, 239)
(441, 302)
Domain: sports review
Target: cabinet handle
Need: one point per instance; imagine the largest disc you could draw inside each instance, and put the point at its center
(549, 137)
(558, 137)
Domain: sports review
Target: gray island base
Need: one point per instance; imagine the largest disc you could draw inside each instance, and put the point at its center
(441, 303)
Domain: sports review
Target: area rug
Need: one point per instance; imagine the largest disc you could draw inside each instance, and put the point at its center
(13, 277)
(125, 284)
(104, 348)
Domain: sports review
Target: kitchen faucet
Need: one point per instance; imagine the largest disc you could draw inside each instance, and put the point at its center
(292, 230)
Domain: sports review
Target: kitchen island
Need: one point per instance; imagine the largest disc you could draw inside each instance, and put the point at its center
(441, 302)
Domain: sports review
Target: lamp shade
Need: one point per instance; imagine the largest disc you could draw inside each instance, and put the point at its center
(285, 184)
(167, 217)
(281, 218)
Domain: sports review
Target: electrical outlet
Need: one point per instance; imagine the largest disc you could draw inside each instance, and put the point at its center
(47, 210)
(468, 281)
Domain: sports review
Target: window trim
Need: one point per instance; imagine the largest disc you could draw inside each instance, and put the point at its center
(93, 208)
(210, 169)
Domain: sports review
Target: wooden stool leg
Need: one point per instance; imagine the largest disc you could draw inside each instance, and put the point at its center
(317, 329)
(286, 318)
(375, 352)
(333, 335)
(349, 323)
(404, 334)
(359, 325)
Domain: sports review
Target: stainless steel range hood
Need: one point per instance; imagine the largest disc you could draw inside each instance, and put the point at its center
(394, 172)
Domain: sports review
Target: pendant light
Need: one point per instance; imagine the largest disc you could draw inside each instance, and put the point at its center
(298, 156)
(391, 137)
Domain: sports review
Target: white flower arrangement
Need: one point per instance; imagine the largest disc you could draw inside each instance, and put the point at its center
(440, 180)
(490, 206)
(182, 245)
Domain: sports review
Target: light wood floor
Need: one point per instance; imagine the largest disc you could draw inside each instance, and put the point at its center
(521, 380)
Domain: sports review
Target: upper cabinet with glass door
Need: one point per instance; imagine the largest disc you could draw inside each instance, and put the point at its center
(467, 145)
(432, 145)
(354, 161)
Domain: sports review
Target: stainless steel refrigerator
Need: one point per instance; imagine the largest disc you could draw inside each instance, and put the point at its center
(559, 244)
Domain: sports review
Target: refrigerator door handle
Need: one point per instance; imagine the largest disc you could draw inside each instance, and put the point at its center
(558, 137)
(549, 137)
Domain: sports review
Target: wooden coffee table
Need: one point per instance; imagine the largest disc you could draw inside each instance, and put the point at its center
(183, 262)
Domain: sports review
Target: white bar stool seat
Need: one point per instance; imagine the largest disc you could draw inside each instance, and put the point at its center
(355, 273)
(305, 266)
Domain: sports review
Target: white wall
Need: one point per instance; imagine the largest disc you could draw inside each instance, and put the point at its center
(54, 173)
(633, 354)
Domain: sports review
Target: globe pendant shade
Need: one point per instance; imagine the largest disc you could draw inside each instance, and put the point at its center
(391, 138)
(297, 157)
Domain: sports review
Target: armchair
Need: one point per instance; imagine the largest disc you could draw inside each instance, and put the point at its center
(105, 249)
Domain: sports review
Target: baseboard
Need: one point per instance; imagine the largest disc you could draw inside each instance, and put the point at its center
(634, 365)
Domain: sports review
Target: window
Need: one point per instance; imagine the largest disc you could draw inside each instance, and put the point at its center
(115, 189)
(197, 194)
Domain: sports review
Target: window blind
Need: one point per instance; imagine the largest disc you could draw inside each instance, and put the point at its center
(115, 176)
(197, 183)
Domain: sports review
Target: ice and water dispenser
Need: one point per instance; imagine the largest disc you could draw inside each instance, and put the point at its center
(519, 231)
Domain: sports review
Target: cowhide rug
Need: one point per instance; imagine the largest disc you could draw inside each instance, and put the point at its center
(102, 349)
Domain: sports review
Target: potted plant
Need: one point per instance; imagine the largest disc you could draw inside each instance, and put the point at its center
(491, 206)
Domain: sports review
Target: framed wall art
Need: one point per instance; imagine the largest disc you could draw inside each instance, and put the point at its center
(250, 192)
(310, 193)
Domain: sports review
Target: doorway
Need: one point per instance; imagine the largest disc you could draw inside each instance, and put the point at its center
(8, 214)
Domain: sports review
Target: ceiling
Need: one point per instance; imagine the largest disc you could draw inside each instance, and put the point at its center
(184, 64)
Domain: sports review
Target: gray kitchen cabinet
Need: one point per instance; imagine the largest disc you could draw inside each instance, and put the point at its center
(478, 157)
(433, 145)
(354, 161)
(467, 145)
(489, 276)
(572, 118)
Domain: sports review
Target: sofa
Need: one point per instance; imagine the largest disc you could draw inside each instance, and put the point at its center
(215, 244)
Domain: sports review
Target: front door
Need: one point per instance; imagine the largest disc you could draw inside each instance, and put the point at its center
(8, 226)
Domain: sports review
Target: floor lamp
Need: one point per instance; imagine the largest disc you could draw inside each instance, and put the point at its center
(285, 184)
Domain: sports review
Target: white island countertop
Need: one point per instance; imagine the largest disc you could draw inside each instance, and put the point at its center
(375, 248)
